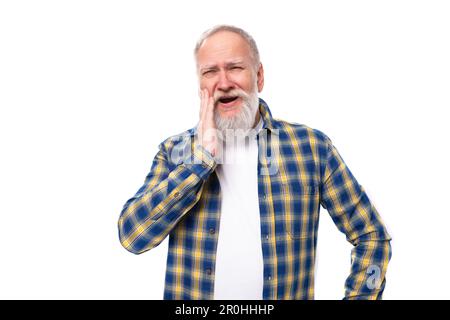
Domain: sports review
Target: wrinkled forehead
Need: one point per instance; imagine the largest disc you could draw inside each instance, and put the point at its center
(223, 47)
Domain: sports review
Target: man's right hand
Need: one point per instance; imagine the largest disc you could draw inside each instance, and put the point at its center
(207, 131)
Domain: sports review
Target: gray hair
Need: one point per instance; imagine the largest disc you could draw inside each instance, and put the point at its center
(223, 27)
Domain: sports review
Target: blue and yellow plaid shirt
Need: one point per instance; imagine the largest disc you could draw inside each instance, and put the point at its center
(299, 170)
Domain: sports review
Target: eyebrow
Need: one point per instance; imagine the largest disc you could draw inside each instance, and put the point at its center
(228, 64)
(208, 67)
(233, 63)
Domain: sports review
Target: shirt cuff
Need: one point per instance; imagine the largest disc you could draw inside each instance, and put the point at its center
(201, 162)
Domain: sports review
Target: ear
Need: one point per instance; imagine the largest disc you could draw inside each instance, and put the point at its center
(260, 77)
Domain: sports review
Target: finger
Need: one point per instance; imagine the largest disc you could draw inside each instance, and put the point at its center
(205, 97)
(200, 114)
(210, 109)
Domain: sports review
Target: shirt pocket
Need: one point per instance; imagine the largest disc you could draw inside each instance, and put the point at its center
(301, 210)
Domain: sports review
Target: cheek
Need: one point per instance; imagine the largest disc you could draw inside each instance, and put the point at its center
(246, 82)
(207, 85)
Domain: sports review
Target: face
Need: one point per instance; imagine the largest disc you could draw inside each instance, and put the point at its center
(226, 69)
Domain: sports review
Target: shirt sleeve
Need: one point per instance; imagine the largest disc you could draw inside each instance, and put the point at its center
(168, 193)
(355, 216)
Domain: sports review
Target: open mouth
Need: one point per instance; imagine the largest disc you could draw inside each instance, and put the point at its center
(227, 100)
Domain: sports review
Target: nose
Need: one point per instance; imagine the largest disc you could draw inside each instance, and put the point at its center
(224, 83)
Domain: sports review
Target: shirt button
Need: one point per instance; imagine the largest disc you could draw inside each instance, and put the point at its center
(212, 231)
(208, 272)
(269, 278)
(176, 195)
(267, 237)
(264, 196)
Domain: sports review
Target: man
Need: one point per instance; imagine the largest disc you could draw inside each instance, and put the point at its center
(240, 194)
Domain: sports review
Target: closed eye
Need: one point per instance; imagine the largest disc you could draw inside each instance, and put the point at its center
(208, 72)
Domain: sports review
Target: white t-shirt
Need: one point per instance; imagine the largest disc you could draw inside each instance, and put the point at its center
(239, 261)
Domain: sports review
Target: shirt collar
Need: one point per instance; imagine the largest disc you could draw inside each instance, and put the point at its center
(266, 115)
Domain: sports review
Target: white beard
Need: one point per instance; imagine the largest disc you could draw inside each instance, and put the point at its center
(244, 119)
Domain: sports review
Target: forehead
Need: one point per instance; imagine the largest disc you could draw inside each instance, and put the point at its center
(222, 47)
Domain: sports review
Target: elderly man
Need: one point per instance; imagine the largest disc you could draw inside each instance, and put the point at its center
(240, 194)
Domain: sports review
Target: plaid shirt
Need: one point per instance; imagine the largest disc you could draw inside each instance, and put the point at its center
(299, 170)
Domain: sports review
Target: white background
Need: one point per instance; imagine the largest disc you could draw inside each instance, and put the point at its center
(88, 89)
